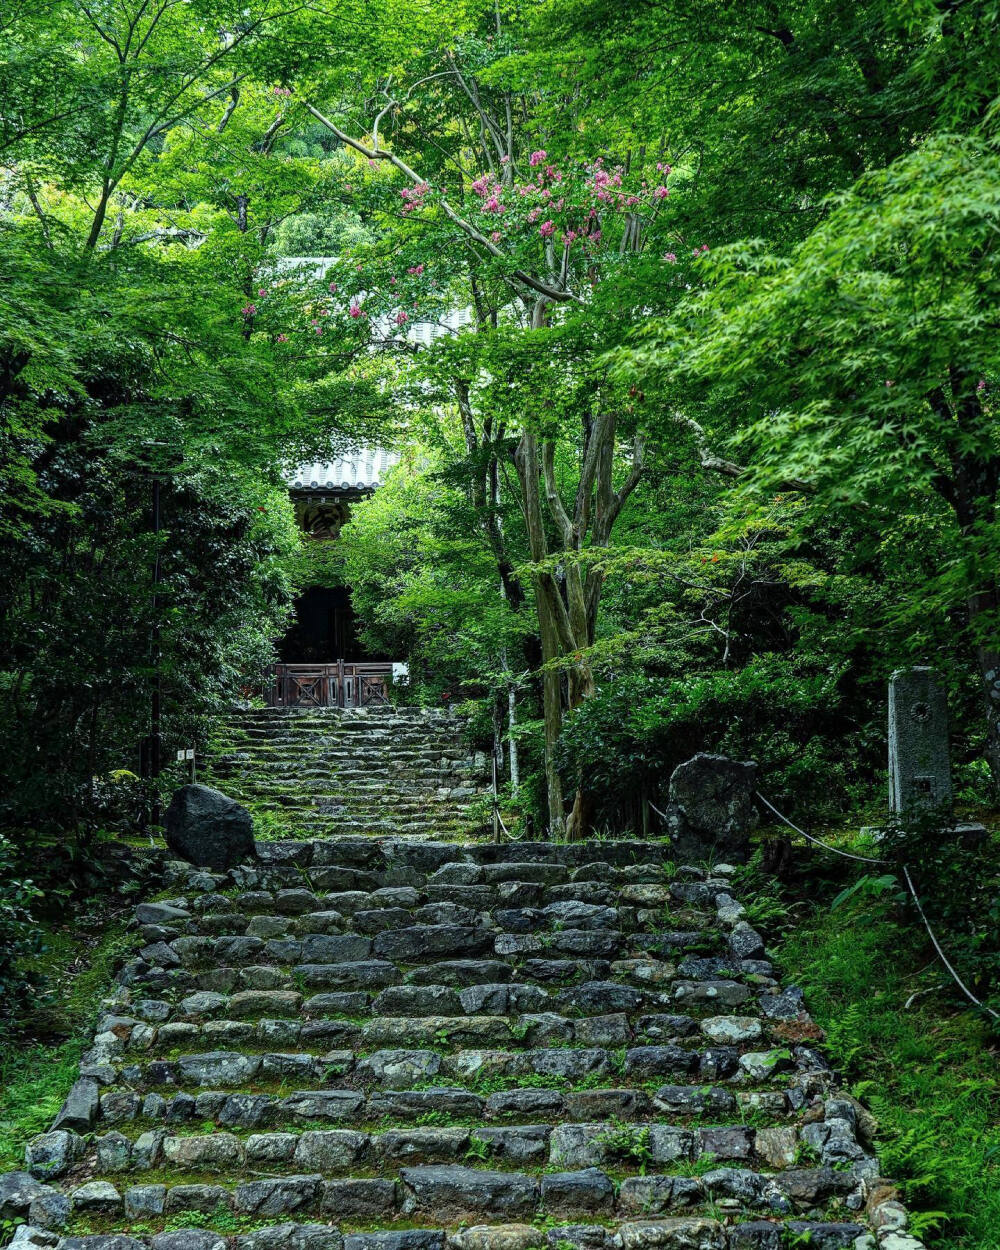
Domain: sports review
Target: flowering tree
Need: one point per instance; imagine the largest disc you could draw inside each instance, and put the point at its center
(549, 254)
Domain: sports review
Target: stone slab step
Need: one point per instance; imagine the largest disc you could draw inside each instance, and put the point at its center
(447, 1192)
(689, 1232)
(624, 1148)
(134, 1113)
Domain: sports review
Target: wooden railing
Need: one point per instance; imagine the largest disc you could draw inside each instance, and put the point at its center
(342, 684)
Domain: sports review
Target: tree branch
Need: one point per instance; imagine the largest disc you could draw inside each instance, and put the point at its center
(377, 153)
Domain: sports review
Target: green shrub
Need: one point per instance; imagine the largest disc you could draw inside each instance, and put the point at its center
(630, 737)
(19, 936)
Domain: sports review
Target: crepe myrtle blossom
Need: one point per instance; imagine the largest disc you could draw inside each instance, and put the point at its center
(355, 311)
(547, 229)
(248, 310)
(670, 257)
(402, 317)
(537, 158)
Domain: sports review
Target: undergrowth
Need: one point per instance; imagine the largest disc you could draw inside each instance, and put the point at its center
(40, 1055)
(924, 1066)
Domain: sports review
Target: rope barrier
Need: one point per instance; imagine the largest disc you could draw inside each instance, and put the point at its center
(866, 859)
(863, 859)
(944, 958)
(504, 827)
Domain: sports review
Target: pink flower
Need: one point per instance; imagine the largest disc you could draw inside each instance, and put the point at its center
(319, 329)
(534, 214)
(393, 281)
(348, 187)
(261, 291)
(568, 238)
(333, 288)
(495, 236)
(536, 158)
(547, 229)
(704, 247)
(660, 193)
(670, 257)
(981, 386)
(481, 185)
(416, 269)
(248, 310)
(355, 311)
(402, 318)
(282, 338)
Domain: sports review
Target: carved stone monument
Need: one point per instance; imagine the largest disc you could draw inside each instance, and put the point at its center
(919, 766)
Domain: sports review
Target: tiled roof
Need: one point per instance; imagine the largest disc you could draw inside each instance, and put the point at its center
(360, 469)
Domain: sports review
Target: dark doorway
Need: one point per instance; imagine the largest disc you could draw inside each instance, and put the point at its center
(324, 629)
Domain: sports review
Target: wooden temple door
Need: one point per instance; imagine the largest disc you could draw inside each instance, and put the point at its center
(343, 684)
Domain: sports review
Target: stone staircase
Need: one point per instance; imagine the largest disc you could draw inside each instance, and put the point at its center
(367, 770)
(406, 1044)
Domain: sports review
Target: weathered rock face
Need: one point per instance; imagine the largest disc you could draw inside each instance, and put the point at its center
(207, 828)
(711, 806)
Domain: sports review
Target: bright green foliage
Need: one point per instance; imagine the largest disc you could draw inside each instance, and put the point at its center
(927, 1075)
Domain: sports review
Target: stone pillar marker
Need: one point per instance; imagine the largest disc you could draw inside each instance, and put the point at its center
(919, 765)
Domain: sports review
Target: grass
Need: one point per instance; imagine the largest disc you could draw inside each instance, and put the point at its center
(39, 1061)
(926, 1069)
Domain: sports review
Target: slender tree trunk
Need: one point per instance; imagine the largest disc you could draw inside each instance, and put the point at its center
(987, 604)
(515, 764)
(552, 714)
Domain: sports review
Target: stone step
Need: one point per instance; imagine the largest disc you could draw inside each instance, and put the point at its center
(481, 1069)
(394, 1041)
(620, 1147)
(443, 1033)
(134, 1113)
(345, 1205)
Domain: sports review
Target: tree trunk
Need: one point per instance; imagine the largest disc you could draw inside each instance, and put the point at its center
(515, 766)
(987, 604)
(552, 714)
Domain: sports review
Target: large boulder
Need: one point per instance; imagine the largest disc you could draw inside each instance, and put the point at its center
(207, 828)
(711, 809)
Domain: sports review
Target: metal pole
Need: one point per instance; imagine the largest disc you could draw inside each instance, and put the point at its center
(154, 736)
